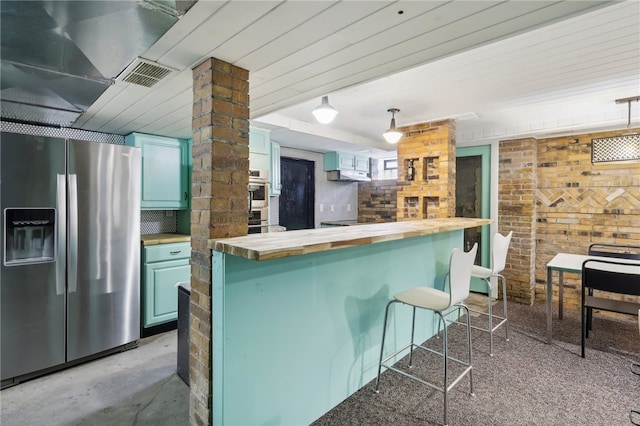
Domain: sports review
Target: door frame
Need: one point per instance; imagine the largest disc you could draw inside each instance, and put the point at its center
(484, 151)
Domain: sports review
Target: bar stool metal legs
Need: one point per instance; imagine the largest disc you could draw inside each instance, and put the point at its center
(446, 386)
(441, 303)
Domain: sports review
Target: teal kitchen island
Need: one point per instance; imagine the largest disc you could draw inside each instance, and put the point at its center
(297, 316)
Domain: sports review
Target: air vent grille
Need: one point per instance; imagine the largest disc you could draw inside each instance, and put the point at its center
(145, 73)
(614, 149)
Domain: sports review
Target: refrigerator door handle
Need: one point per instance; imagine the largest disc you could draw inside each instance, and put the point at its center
(73, 234)
(61, 205)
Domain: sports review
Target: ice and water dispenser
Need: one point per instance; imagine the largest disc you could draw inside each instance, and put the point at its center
(29, 236)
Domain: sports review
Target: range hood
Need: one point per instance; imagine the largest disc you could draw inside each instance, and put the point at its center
(348, 176)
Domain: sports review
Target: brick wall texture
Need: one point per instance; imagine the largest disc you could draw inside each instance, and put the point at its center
(556, 200)
(219, 203)
(579, 203)
(430, 147)
(516, 211)
(377, 201)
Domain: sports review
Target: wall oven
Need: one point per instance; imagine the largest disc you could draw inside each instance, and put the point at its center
(258, 188)
(258, 201)
(259, 220)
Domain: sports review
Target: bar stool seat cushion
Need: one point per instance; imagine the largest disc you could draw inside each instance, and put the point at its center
(424, 297)
(481, 271)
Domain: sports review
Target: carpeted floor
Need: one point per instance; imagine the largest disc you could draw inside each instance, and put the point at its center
(526, 382)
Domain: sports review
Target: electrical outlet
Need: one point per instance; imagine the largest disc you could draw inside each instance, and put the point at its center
(348, 207)
(321, 207)
(331, 207)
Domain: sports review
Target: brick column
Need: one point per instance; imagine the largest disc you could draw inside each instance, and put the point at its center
(431, 149)
(219, 204)
(517, 211)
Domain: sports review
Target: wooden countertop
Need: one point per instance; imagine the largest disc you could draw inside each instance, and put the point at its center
(293, 243)
(341, 223)
(151, 239)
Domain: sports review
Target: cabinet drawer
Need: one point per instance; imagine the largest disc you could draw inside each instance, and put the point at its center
(162, 252)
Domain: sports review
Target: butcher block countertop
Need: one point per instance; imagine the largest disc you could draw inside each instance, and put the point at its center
(151, 239)
(277, 245)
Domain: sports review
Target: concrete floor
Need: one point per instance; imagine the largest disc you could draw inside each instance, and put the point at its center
(137, 387)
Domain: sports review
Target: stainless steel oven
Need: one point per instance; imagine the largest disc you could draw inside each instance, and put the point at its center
(258, 188)
(259, 220)
(259, 193)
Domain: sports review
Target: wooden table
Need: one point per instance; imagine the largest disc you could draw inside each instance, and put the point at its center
(566, 262)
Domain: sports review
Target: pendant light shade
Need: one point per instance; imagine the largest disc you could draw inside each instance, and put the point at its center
(325, 113)
(392, 135)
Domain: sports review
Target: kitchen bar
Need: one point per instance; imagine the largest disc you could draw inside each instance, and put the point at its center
(297, 316)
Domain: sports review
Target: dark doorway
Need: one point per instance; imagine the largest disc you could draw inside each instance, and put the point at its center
(473, 173)
(297, 195)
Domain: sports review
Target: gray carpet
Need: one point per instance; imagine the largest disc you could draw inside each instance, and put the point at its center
(526, 382)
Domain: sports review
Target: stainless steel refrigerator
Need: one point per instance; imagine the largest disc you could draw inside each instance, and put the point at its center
(70, 252)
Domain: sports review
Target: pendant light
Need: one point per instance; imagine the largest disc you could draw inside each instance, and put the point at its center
(392, 135)
(325, 113)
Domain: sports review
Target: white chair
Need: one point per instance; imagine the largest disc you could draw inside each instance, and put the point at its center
(498, 262)
(442, 303)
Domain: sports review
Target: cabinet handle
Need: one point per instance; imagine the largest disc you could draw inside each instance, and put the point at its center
(175, 252)
(185, 195)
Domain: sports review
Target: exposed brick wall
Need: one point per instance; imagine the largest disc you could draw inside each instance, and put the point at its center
(549, 190)
(516, 211)
(579, 203)
(431, 148)
(377, 201)
(219, 203)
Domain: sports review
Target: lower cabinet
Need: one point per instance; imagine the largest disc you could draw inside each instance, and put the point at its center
(165, 265)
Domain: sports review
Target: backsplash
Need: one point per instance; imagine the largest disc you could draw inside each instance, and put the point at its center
(157, 222)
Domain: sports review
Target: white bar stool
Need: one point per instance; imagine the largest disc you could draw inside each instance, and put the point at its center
(442, 303)
(499, 259)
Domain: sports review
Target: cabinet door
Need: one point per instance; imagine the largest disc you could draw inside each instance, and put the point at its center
(259, 150)
(259, 141)
(160, 292)
(338, 161)
(165, 171)
(276, 183)
(361, 163)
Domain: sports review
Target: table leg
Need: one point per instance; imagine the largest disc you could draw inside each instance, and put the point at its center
(549, 303)
(560, 293)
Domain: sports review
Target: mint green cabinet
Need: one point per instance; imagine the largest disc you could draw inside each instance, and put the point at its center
(165, 265)
(343, 161)
(165, 171)
(360, 163)
(276, 183)
(259, 149)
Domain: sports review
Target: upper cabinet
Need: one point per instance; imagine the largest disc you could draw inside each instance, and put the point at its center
(276, 184)
(342, 161)
(166, 170)
(259, 149)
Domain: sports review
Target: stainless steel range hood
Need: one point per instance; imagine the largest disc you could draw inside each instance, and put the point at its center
(348, 176)
(59, 56)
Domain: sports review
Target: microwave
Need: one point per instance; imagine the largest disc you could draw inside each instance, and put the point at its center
(257, 175)
(259, 194)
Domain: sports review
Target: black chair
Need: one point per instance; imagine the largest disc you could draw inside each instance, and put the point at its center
(619, 251)
(608, 277)
(634, 415)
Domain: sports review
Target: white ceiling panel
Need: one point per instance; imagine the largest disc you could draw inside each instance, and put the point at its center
(503, 68)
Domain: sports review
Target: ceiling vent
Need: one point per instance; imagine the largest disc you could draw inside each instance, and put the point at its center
(145, 73)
